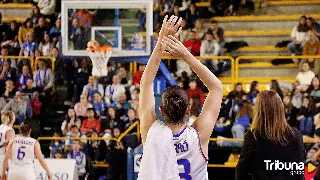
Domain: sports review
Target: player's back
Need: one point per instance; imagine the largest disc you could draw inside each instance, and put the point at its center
(191, 160)
(3, 131)
(23, 152)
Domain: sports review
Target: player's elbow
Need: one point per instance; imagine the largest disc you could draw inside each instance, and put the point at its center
(216, 86)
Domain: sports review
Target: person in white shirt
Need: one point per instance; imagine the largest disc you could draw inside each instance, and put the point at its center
(299, 37)
(210, 47)
(305, 76)
(114, 90)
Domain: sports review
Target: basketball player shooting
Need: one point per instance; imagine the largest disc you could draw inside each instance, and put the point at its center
(191, 143)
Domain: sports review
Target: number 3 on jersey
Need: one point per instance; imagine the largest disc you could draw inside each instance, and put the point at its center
(21, 153)
(186, 167)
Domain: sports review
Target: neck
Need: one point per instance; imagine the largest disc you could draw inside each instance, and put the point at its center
(176, 128)
(91, 118)
(74, 151)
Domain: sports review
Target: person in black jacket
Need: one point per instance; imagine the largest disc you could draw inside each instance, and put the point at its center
(270, 140)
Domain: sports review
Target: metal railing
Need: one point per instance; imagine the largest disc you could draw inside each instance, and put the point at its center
(19, 58)
(35, 67)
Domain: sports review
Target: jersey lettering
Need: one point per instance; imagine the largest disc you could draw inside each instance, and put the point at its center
(181, 147)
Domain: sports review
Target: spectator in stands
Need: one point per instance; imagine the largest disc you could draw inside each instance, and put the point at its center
(299, 37)
(2, 28)
(99, 105)
(26, 74)
(58, 154)
(125, 77)
(7, 72)
(193, 44)
(130, 119)
(35, 14)
(3, 102)
(199, 29)
(55, 31)
(313, 26)
(192, 15)
(76, 35)
(114, 90)
(26, 27)
(44, 80)
(305, 117)
(82, 76)
(218, 34)
(82, 106)
(210, 47)
(253, 92)
(20, 107)
(10, 89)
(93, 148)
(12, 32)
(137, 75)
(92, 87)
(91, 122)
(176, 12)
(275, 86)
(28, 88)
(41, 29)
(71, 119)
(107, 80)
(314, 91)
(290, 111)
(113, 120)
(85, 17)
(4, 52)
(28, 48)
(296, 99)
(196, 98)
(185, 30)
(135, 100)
(47, 8)
(46, 45)
(305, 76)
(55, 145)
(117, 159)
(237, 91)
(122, 104)
(74, 133)
(233, 102)
(80, 158)
(312, 48)
(239, 127)
(35, 104)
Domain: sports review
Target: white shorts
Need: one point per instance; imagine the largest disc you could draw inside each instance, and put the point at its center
(21, 174)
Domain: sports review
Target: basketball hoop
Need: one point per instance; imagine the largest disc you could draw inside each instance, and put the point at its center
(100, 58)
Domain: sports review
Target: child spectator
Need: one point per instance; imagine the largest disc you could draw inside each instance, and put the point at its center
(305, 76)
(74, 133)
(58, 154)
(193, 44)
(99, 105)
(196, 96)
(82, 106)
(253, 92)
(29, 89)
(314, 91)
(71, 119)
(305, 117)
(26, 74)
(91, 122)
(290, 111)
(80, 158)
(28, 48)
(55, 145)
(241, 124)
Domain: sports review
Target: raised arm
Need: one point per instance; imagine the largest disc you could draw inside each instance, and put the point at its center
(207, 119)
(147, 114)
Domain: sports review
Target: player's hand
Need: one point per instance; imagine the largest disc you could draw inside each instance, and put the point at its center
(4, 177)
(49, 177)
(173, 47)
(170, 27)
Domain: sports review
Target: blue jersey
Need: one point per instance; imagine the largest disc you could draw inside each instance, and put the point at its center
(191, 160)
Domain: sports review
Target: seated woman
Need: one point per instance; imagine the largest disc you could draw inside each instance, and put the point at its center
(305, 76)
(71, 120)
(253, 92)
(92, 122)
(239, 127)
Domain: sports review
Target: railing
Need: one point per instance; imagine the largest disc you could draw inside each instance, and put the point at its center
(20, 58)
(44, 58)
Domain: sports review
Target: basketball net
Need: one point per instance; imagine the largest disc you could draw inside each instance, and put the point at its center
(100, 60)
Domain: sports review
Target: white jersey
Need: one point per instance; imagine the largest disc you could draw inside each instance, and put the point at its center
(22, 152)
(191, 160)
(3, 131)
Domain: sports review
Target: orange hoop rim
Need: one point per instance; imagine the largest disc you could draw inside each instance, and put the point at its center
(100, 49)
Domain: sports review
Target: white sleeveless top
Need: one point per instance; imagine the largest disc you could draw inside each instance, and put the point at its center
(3, 131)
(23, 152)
(191, 160)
